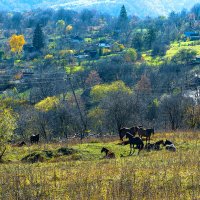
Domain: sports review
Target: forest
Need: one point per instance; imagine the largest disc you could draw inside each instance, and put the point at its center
(67, 73)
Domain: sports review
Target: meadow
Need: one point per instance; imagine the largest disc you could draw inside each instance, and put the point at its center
(84, 174)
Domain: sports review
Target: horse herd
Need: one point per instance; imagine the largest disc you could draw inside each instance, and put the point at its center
(130, 133)
(137, 142)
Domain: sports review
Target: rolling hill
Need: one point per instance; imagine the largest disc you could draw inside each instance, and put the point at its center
(137, 7)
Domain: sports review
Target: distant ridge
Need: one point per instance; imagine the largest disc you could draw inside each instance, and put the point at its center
(140, 8)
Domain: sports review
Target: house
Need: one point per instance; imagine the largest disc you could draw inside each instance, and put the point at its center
(81, 56)
(104, 45)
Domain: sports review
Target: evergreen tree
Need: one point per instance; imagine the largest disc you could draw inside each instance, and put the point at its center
(38, 38)
(123, 18)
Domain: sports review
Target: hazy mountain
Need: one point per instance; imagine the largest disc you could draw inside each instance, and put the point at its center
(137, 7)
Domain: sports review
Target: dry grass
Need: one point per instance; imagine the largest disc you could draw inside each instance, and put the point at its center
(85, 175)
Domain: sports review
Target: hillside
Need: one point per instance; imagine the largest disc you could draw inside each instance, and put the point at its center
(140, 7)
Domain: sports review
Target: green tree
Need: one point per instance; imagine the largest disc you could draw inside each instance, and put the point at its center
(130, 55)
(38, 38)
(137, 41)
(123, 18)
(149, 38)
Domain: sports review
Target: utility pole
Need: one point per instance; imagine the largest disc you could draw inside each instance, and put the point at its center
(78, 106)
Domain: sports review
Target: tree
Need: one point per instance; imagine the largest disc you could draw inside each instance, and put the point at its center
(60, 26)
(16, 43)
(123, 18)
(130, 55)
(118, 108)
(149, 38)
(137, 41)
(7, 127)
(38, 38)
(93, 78)
(174, 108)
(144, 84)
(196, 11)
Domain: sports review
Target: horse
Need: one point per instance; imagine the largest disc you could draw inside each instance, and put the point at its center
(109, 154)
(167, 142)
(122, 132)
(134, 141)
(34, 139)
(19, 144)
(145, 133)
(158, 143)
(154, 146)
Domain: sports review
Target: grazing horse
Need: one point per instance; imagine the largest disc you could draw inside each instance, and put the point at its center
(145, 133)
(34, 139)
(122, 132)
(109, 154)
(134, 141)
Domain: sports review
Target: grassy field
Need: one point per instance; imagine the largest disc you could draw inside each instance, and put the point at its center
(84, 174)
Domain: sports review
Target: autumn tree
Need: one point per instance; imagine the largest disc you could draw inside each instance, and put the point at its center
(16, 43)
(38, 38)
(93, 79)
(144, 84)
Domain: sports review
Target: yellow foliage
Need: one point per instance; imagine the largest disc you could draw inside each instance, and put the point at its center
(106, 51)
(48, 57)
(66, 52)
(47, 104)
(100, 91)
(74, 69)
(69, 28)
(16, 43)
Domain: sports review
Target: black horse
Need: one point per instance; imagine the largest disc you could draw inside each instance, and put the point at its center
(34, 139)
(122, 132)
(167, 142)
(134, 141)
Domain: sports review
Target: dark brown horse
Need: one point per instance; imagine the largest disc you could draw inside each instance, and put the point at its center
(145, 133)
(109, 154)
(122, 132)
(34, 139)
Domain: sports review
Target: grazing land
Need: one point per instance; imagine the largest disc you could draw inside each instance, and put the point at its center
(83, 173)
